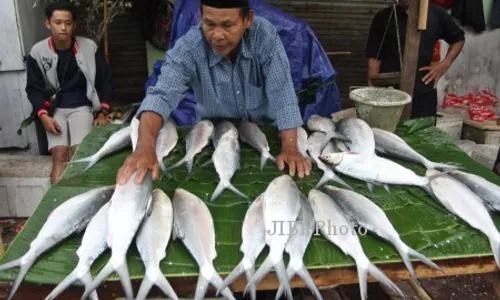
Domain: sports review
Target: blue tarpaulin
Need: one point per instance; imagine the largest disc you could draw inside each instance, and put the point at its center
(309, 63)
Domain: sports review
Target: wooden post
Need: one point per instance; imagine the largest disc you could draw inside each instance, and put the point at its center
(422, 17)
(410, 63)
(106, 44)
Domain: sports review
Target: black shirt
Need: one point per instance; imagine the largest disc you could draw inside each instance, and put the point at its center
(440, 25)
(71, 80)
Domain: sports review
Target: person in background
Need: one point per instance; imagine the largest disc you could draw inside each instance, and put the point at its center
(68, 76)
(383, 52)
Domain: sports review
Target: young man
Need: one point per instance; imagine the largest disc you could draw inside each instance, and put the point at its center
(238, 69)
(71, 68)
(383, 54)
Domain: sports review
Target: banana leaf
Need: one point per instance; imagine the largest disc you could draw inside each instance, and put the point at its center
(422, 223)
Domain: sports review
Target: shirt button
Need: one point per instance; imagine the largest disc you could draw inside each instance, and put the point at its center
(237, 92)
(241, 106)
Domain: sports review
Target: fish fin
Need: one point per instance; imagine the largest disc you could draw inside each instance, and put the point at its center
(149, 207)
(103, 274)
(123, 273)
(11, 264)
(235, 273)
(189, 165)
(290, 272)
(423, 259)
(28, 262)
(375, 272)
(264, 268)
(177, 164)
(236, 191)
(430, 165)
(362, 277)
(387, 188)
(63, 285)
(495, 248)
(218, 191)
(162, 166)
(144, 289)
(370, 187)
(162, 283)
(253, 289)
(207, 163)
(86, 280)
(304, 274)
(283, 278)
(201, 288)
(91, 161)
(264, 157)
(324, 179)
(216, 281)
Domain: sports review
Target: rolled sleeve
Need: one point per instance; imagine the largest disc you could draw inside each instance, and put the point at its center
(279, 86)
(164, 97)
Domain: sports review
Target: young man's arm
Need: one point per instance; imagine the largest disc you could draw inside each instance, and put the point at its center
(373, 47)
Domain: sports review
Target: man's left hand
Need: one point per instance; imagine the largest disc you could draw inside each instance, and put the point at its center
(101, 120)
(295, 161)
(435, 73)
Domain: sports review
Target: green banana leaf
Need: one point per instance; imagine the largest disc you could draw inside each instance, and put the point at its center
(422, 223)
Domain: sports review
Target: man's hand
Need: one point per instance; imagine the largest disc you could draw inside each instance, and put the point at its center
(50, 124)
(435, 73)
(101, 120)
(295, 161)
(142, 161)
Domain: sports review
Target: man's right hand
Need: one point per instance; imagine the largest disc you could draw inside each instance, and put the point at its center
(142, 161)
(50, 124)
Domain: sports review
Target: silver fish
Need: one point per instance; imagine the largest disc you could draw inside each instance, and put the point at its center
(359, 133)
(92, 246)
(152, 240)
(326, 211)
(196, 140)
(297, 245)
(464, 203)
(116, 142)
(251, 134)
(219, 130)
(193, 224)
(253, 235)
(134, 132)
(71, 216)
(226, 158)
(129, 205)
(367, 214)
(165, 143)
(313, 146)
(388, 143)
(281, 206)
(302, 141)
(325, 125)
(374, 170)
(488, 191)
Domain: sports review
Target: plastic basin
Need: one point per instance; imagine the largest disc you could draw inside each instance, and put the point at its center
(380, 107)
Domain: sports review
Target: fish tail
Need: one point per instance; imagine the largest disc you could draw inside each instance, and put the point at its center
(304, 274)
(25, 266)
(162, 166)
(189, 165)
(165, 286)
(63, 285)
(253, 289)
(430, 165)
(382, 278)
(122, 272)
(283, 278)
(86, 280)
(236, 191)
(208, 162)
(105, 272)
(362, 277)
(217, 282)
(218, 190)
(266, 266)
(177, 164)
(201, 288)
(495, 248)
(11, 264)
(91, 161)
(290, 272)
(235, 273)
(264, 157)
(422, 258)
(144, 289)
(330, 174)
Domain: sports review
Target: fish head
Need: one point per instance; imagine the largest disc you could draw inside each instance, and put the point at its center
(332, 158)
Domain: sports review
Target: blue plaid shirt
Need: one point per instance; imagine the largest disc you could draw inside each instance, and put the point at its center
(258, 87)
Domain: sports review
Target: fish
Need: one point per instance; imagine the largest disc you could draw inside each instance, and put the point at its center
(196, 140)
(165, 143)
(152, 240)
(325, 125)
(72, 216)
(221, 129)
(134, 132)
(281, 206)
(194, 226)
(302, 141)
(457, 198)
(388, 143)
(375, 170)
(253, 234)
(226, 158)
(129, 205)
(367, 214)
(116, 142)
(297, 245)
(251, 134)
(327, 212)
(313, 147)
(92, 246)
(486, 190)
(359, 133)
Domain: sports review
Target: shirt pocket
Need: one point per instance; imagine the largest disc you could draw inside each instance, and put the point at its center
(224, 92)
(255, 97)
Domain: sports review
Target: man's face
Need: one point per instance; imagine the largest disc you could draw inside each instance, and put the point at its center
(61, 24)
(224, 28)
